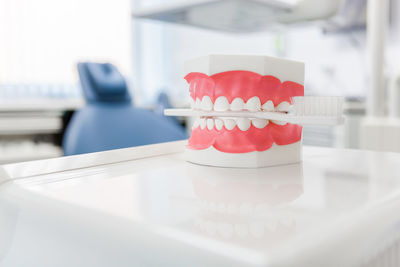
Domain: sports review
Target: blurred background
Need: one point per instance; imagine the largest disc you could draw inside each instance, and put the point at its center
(351, 48)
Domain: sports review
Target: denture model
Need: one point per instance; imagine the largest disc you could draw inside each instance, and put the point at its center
(242, 104)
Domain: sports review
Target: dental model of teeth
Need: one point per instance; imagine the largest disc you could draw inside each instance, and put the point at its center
(238, 105)
(250, 110)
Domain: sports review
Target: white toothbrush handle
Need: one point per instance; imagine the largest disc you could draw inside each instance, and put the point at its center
(303, 120)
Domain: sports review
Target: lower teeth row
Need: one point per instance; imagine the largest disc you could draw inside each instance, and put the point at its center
(230, 123)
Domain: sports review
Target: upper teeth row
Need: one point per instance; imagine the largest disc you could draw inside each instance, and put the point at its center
(253, 104)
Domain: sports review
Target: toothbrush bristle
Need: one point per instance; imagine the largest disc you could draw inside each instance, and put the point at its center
(317, 106)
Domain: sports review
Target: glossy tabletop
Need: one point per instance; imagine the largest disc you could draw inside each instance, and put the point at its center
(147, 206)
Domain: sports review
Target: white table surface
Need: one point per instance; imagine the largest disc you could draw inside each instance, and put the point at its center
(146, 206)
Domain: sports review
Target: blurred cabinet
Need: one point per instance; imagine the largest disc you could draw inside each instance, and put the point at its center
(33, 119)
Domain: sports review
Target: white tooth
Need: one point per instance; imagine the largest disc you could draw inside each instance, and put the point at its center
(206, 103)
(219, 124)
(203, 123)
(259, 123)
(253, 104)
(229, 124)
(237, 104)
(283, 107)
(196, 123)
(191, 103)
(197, 103)
(221, 104)
(241, 230)
(279, 122)
(210, 124)
(243, 124)
(268, 106)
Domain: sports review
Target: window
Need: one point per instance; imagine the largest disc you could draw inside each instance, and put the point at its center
(42, 40)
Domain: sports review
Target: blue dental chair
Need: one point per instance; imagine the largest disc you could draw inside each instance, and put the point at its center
(109, 120)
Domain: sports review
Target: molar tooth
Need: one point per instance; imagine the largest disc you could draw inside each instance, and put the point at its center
(210, 124)
(283, 107)
(259, 123)
(221, 104)
(237, 104)
(243, 124)
(197, 103)
(219, 124)
(253, 104)
(268, 106)
(203, 123)
(229, 124)
(206, 103)
(279, 122)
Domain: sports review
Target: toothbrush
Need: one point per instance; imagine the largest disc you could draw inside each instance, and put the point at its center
(306, 110)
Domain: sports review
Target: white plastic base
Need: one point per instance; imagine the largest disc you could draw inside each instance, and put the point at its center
(276, 155)
(283, 69)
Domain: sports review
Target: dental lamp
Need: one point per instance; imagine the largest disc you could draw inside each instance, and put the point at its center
(240, 15)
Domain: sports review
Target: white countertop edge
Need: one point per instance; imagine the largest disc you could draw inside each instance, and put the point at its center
(34, 168)
(40, 167)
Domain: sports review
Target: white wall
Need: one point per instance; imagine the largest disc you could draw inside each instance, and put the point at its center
(335, 64)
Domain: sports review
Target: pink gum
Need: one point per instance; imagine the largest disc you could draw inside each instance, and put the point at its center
(243, 84)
